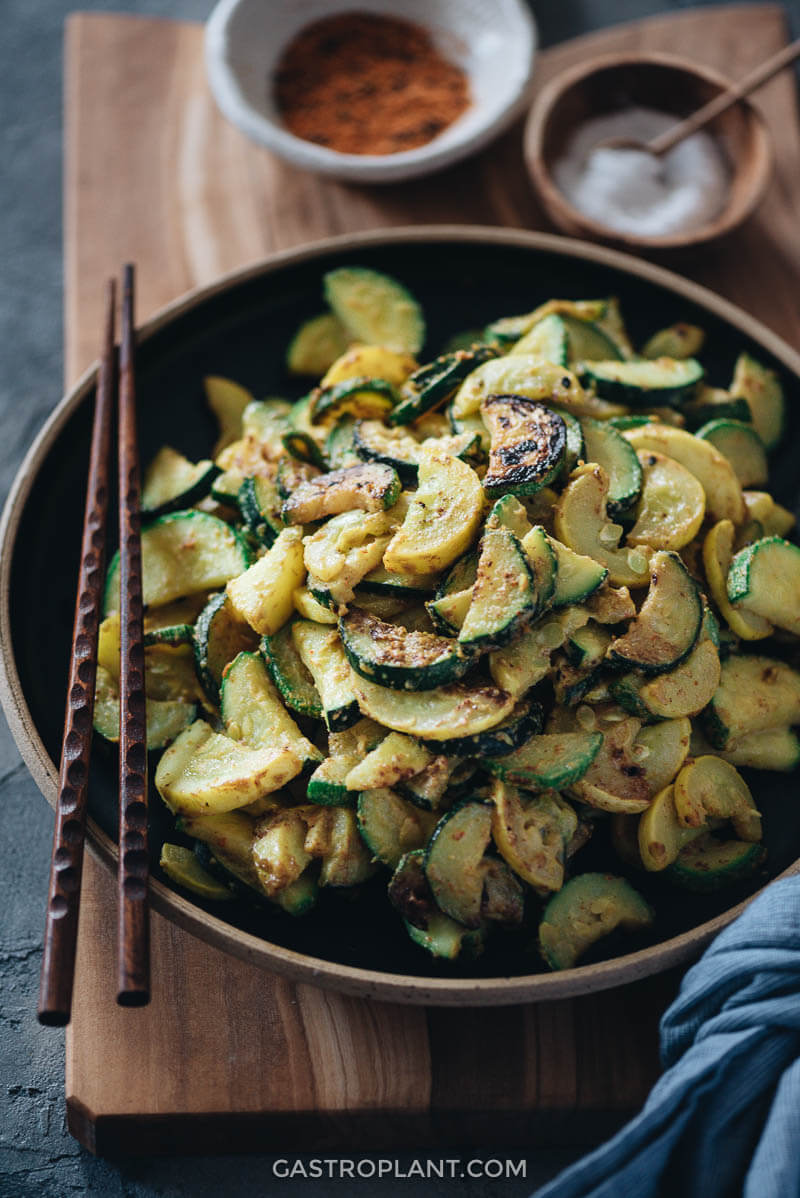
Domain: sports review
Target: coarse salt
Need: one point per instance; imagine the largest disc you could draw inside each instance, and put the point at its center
(632, 191)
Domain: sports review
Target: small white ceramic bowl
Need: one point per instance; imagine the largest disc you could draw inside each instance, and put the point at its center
(494, 41)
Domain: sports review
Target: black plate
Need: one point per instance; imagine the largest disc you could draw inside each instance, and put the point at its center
(242, 331)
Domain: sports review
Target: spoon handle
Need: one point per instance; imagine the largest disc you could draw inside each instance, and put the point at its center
(760, 74)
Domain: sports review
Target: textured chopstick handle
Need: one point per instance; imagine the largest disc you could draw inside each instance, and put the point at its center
(66, 866)
(133, 932)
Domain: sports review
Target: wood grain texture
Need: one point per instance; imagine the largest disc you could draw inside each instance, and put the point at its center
(227, 1056)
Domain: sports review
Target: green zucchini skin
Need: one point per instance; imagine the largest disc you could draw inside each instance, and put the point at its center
(565, 932)
(606, 446)
(741, 445)
(326, 785)
(260, 505)
(435, 382)
(217, 638)
(504, 597)
(340, 397)
(765, 578)
(525, 721)
(391, 656)
(177, 482)
(428, 927)
(294, 683)
(762, 390)
(175, 634)
(529, 444)
(548, 762)
(644, 383)
(707, 864)
(381, 581)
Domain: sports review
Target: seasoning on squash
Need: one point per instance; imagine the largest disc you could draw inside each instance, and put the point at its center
(365, 84)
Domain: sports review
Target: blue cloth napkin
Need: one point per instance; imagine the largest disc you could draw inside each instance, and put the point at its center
(724, 1119)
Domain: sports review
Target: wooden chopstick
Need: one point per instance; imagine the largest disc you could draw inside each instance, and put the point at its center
(133, 929)
(66, 864)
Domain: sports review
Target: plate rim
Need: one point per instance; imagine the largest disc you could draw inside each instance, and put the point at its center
(299, 967)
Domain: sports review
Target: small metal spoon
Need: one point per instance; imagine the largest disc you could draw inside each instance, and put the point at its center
(685, 128)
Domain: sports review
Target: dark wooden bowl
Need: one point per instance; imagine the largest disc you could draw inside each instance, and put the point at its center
(668, 84)
(240, 327)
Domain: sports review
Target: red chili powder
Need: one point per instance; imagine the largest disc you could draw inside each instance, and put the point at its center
(365, 84)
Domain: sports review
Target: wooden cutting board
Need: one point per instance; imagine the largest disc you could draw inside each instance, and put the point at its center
(227, 1057)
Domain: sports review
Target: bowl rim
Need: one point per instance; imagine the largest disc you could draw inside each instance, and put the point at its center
(299, 967)
(366, 168)
(553, 197)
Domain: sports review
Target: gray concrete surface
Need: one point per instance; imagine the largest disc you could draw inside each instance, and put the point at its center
(37, 1156)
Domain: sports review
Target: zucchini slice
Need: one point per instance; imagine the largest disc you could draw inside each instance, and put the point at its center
(709, 788)
(375, 308)
(577, 576)
(708, 864)
(661, 750)
(340, 449)
(227, 844)
(396, 759)
(290, 675)
(770, 749)
(712, 403)
(302, 440)
(468, 885)
(370, 487)
(741, 445)
(530, 378)
(676, 341)
(394, 447)
(391, 656)
(762, 389)
(218, 636)
(262, 595)
(203, 772)
(253, 714)
(227, 401)
(165, 718)
(381, 581)
(754, 693)
(509, 329)
(321, 652)
(442, 519)
(714, 472)
(362, 397)
(643, 383)
(264, 421)
(449, 608)
(529, 443)
(428, 927)
(609, 449)
(311, 609)
(430, 788)
(717, 558)
(548, 762)
(432, 384)
(582, 523)
(292, 473)
(664, 632)
(585, 910)
(260, 505)
(764, 578)
(684, 691)
(672, 505)
(524, 721)
(543, 562)
(775, 520)
(615, 779)
(172, 482)
(316, 345)
(362, 361)
(444, 714)
(504, 596)
(661, 835)
(182, 553)
(532, 834)
(548, 340)
(329, 785)
(391, 826)
(527, 660)
(182, 867)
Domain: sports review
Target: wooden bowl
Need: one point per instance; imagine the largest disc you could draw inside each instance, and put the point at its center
(240, 327)
(668, 84)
